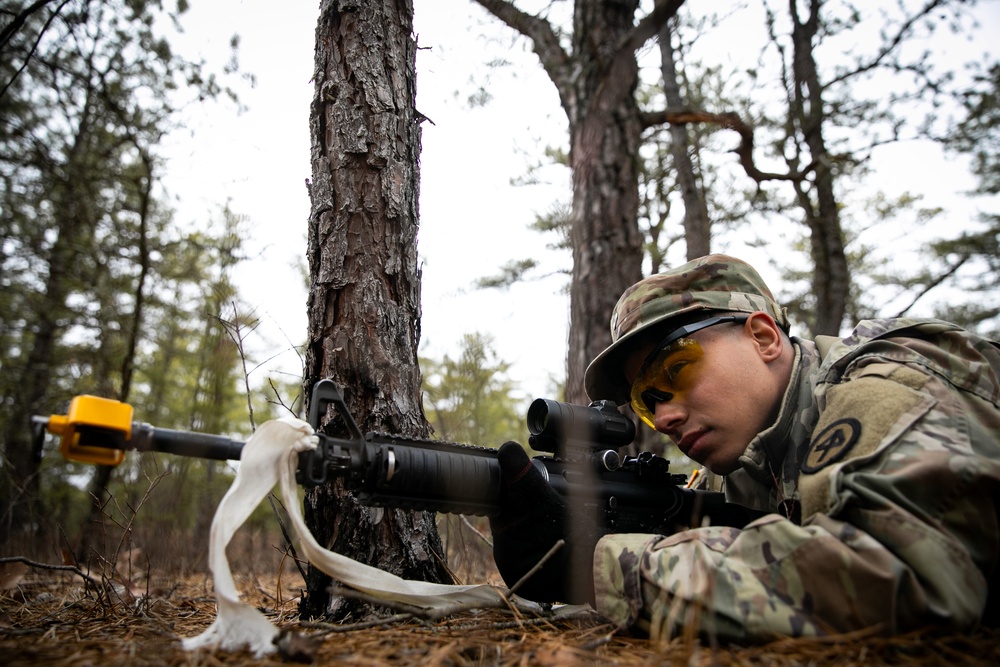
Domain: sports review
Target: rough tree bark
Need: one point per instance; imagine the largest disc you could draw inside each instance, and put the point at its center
(364, 294)
(604, 138)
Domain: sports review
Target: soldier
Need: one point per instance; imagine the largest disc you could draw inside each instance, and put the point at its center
(874, 461)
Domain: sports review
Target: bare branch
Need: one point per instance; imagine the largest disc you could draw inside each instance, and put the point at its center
(934, 283)
(12, 28)
(468, 524)
(729, 121)
(649, 26)
(59, 568)
(545, 42)
(887, 47)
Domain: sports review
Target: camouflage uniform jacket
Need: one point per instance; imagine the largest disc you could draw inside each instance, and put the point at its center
(882, 476)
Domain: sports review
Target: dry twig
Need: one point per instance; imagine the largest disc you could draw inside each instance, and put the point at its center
(58, 568)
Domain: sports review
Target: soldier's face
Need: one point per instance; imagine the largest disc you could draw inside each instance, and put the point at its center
(725, 392)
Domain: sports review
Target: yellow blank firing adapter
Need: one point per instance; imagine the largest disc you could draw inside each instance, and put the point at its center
(95, 430)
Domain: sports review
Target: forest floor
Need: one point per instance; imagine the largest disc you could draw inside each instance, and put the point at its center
(58, 619)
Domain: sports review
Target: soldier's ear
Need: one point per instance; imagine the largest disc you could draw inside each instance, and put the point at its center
(766, 335)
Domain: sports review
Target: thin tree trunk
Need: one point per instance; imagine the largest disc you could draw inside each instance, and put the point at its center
(364, 295)
(697, 227)
(98, 487)
(831, 277)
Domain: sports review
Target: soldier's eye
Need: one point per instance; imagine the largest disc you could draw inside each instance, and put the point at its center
(674, 369)
(652, 396)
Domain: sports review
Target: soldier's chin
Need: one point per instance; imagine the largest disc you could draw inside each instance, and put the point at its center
(720, 467)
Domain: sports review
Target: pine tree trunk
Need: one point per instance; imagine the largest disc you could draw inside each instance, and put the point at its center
(364, 295)
(596, 80)
(605, 131)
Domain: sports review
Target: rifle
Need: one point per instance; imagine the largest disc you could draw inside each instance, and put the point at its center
(580, 461)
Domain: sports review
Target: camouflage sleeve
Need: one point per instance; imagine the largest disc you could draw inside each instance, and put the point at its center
(900, 529)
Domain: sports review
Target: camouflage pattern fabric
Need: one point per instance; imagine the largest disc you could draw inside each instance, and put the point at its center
(714, 282)
(883, 476)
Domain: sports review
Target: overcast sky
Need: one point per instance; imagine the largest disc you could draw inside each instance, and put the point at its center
(473, 220)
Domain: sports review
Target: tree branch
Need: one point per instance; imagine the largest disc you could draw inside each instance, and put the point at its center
(934, 283)
(887, 47)
(619, 77)
(10, 30)
(545, 42)
(613, 86)
(649, 26)
(729, 121)
(15, 23)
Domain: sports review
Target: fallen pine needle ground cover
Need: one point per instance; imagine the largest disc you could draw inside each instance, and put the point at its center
(60, 620)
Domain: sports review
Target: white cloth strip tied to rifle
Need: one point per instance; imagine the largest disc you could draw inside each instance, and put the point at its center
(270, 457)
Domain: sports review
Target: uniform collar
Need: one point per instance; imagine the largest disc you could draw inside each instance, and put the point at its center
(773, 456)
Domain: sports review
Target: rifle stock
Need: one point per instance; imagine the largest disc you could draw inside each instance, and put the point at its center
(582, 463)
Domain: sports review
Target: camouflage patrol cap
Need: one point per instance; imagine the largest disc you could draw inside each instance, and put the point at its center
(713, 282)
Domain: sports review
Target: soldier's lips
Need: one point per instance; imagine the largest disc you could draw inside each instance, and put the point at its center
(692, 442)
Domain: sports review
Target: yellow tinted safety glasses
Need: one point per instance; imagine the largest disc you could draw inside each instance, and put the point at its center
(670, 367)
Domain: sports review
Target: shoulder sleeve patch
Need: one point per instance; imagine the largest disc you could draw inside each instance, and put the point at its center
(860, 416)
(832, 444)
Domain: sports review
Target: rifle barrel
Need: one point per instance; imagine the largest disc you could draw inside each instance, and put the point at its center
(185, 443)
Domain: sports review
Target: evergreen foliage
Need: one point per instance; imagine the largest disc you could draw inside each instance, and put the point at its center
(471, 399)
(101, 291)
